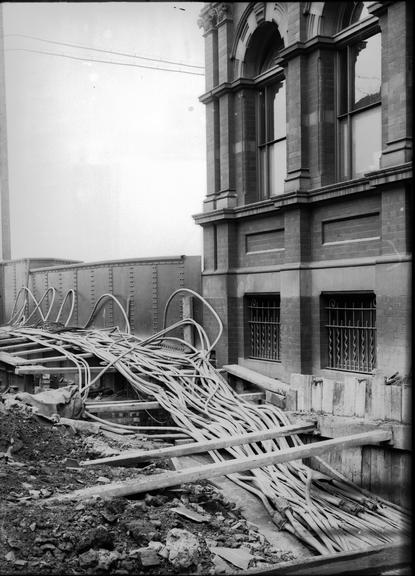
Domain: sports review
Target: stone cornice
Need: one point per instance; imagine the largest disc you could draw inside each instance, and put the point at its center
(226, 88)
(367, 184)
(377, 8)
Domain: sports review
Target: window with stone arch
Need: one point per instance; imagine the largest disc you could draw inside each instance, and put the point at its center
(261, 64)
(359, 104)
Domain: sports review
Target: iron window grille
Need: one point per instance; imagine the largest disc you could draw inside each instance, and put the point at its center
(351, 338)
(264, 327)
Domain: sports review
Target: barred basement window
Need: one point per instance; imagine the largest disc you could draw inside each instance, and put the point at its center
(351, 332)
(264, 327)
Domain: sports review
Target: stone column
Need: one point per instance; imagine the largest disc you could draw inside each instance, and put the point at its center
(395, 20)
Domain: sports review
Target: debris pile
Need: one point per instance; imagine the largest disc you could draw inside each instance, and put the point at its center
(183, 530)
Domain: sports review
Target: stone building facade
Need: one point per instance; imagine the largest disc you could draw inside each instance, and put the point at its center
(306, 219)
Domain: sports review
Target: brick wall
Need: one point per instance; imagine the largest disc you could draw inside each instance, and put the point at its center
(353, 226)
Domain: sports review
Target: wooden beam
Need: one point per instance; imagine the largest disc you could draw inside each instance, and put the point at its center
(125, 407)
(263, 382)
(57, 370)
(8, 340)
(329, 426)
(60, 358)
(195, 448)
(10, 359)
(224, 468)
(252, 396)
(41, 350)
(371, 560)
(19, 346)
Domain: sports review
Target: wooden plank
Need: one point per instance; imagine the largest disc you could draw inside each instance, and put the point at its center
(291, 400)
(19, 346)
(43, 349)
(378, 398)
(316, 395)
(396, 403)
(327, 399)
(57, 370)
(275, 399)
(349, 395)
(338, 398)
(388, 402)
(331, 426)
(360, 398)
(195, 448)
(224, 468)
(252, 396)
(15, 340)
(46, 360)
(377, 470)
(352, 464)
(369, 399)
(407, 404)
(120, 405)
(125, 407)
(10, 359)
(307, 386)
(366, 467)
(367, 561)
(264, 382)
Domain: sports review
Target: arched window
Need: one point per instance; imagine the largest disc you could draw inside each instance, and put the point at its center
(271, 136)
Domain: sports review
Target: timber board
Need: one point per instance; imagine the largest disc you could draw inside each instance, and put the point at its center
(365, 562)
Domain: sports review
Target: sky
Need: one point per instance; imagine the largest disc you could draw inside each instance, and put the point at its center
(105, 161)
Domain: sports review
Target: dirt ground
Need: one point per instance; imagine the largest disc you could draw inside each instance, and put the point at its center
(177, 531)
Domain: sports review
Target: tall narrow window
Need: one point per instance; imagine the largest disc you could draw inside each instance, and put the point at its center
(359, 105)
(272, 140)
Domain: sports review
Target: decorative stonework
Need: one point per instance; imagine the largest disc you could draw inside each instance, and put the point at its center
(259, 11)
(214, 14)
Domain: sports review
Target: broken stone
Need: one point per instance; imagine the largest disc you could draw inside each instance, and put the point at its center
(163, 552)
(103, 480)
(35, 494)
(220, 566)
(140, 505)
(239, 557)
(45, 492)
(183, 547)
(98, 537)
(88, 559)
(10, 557)
(108, 516)
(191, 514)
(106, 559)
(149, 557)
(138, 531)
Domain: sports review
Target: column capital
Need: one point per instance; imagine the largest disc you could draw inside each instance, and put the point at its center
(214, 14)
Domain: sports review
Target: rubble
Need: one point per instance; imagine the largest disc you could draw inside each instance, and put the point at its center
(170, 532)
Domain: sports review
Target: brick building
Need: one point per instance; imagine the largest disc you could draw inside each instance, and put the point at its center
(306, 218)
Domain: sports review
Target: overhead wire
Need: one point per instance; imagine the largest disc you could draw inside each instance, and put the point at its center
(116, 53)
(79, 58)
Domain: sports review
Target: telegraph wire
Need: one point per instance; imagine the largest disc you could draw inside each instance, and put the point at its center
(102, 50)
(130, 64)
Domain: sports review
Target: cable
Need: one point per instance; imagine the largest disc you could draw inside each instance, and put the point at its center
(332, 515)
(104, 51)
(103, 61)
